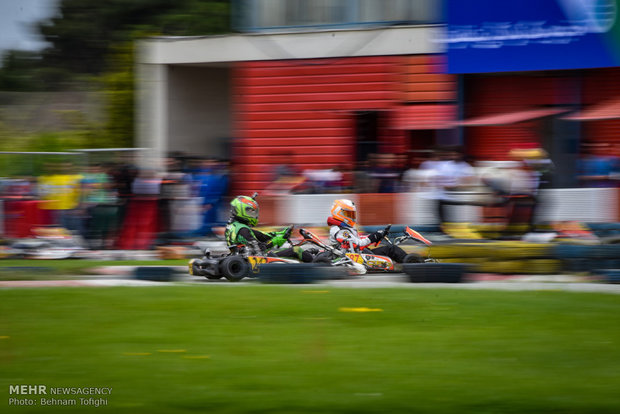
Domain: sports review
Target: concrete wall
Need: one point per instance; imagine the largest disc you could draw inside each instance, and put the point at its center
(199, 110)
(594, 205)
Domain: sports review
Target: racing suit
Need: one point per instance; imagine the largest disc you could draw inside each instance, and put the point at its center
(259, 243)
(341, 235)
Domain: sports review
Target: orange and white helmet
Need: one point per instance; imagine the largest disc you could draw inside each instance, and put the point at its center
(344, 210)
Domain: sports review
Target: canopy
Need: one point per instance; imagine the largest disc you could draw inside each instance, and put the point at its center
(511, 117)
(605, 110)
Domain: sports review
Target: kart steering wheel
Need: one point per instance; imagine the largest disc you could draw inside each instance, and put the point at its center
(386, 230)
(287, 234)
(304, 233)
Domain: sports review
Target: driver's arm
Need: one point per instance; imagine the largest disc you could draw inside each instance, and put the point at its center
(258, 241)
(346, 236)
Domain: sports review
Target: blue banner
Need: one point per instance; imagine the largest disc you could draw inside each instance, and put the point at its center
(502, 35)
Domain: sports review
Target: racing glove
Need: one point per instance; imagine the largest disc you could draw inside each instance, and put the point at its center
(278, 240)
(277, 237)
(376, 236)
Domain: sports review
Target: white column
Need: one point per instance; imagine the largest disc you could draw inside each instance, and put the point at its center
(152, 113)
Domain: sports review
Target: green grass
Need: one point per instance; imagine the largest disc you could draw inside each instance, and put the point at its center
(285, 349)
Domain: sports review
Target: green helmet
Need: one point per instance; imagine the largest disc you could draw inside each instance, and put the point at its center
(245, 209)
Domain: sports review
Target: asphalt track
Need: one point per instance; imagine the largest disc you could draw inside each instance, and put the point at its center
(394, 280)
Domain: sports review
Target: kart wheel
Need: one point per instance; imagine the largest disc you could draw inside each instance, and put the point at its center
(194, 268)
(322, 260)
(291, 273)
(234, 268)
(413, 258)
(435, 272)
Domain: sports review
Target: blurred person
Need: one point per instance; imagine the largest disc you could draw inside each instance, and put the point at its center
(100, 203)
(122, 173)
(141, 221)
(515, 185)
(285, 177)
(210, 180)
(362, 181)
(60, 191)
(175, 191)
(598, 167)
(450, 173)
(240, 231)
(386, 173)
(327, 180)
(420, 175)
(526, 181)
(343, 233)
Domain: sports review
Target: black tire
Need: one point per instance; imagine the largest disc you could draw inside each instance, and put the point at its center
(322, 259)
(413, 258)
(291, 273)
(234, 268)
(435, 272)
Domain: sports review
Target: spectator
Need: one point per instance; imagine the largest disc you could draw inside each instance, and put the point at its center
(211, 185)
(450, 174)
(362, 181)
(285, 178)
(598, 167)
(100, 203)
(323, 181)
(60, 191)
(141, 221)
(420, 175)
(386, 173)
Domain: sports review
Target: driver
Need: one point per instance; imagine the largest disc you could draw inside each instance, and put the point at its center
(239, 232)
(342, 232)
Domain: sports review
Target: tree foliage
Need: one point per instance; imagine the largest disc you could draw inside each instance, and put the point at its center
(85, 32)
(92, 41)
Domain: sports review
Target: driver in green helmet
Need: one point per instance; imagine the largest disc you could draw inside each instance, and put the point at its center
(240, 232)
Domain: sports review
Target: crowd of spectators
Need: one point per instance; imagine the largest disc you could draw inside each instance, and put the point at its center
(116, 204)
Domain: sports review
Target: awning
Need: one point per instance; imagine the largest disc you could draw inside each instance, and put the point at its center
(511, 117)
(604, 110)
(424, 116)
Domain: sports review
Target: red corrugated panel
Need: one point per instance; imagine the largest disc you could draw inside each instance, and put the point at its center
(601, 85)
(424, 116)
(290, 144)
(305, 108)
(486, 95)
(316, 79)
(344, 105)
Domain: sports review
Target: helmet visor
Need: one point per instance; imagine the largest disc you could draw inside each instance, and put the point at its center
(349, 214)
(251, 212)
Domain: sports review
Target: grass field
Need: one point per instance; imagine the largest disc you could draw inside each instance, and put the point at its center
(285, 349)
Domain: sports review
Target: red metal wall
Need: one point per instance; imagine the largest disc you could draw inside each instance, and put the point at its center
(600, 85)
(302, 111)
(487, 95)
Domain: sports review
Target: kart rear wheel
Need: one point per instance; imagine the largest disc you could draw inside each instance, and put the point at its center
(413, 258)
(234, 268)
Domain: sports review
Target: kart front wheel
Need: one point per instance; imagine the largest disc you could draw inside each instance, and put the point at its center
(234, 268)
(322, 259)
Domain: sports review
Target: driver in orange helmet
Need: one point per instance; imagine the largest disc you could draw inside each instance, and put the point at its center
(342, 232)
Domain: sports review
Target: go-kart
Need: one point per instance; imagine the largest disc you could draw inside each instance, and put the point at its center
(364, 261)
(235, 265)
